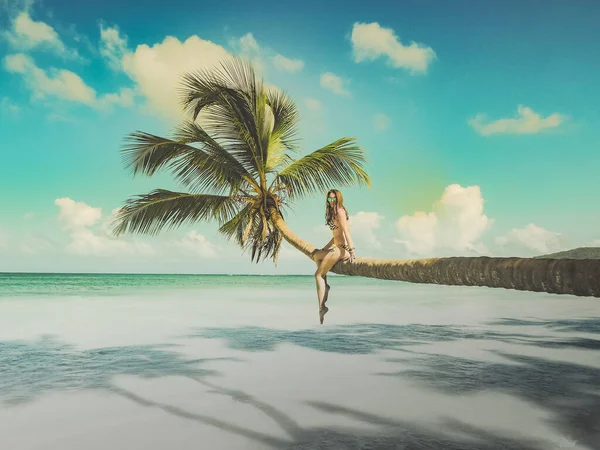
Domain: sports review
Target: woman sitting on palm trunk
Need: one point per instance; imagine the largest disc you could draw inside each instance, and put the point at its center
(340, 247)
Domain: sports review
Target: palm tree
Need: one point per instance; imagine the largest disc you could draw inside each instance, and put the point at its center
(234, 155)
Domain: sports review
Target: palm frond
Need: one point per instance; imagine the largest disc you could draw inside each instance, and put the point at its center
(337, 164)
(285, 118)
(209, 168)
(253, 232)
(278, 160)
(232, 99)
(284, 126)
(236, 226)
(269, 248)
(223, 158)
(160, 209)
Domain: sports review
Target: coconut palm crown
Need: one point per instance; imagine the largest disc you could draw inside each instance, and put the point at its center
(234, 154)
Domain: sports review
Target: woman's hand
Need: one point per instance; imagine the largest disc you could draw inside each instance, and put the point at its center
(352, 256)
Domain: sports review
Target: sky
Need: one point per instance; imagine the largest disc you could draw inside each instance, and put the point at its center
(479, 120)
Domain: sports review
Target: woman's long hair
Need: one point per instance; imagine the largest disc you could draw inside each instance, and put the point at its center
(331, 210)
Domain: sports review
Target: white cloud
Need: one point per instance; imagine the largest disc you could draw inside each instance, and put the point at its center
(371, 41)
(8, 108)
(198, 244)
(455, 224)
(248, 43)
(27, 34)
(113, 47)
(418, 232)
(78, 218)
(596, 243)
(334, 83)
(87, 242)
(526, 122)
(248, 48)
(286, 64)
(107, 223)
(62, 84)
(124, 98)
(157, 70)
(362, 228)
(313, 104)
(532, 238)
(381, 122)
(76, 215)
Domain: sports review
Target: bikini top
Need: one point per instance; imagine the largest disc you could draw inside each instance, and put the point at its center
(331, 225)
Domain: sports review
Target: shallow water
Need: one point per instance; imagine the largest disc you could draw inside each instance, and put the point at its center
(154, 362)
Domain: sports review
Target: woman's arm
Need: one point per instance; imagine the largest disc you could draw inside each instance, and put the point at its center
(329, 244)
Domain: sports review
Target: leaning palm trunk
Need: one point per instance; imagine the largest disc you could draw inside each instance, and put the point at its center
(557, 276)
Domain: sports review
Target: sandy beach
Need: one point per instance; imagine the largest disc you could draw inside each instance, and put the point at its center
(230, 367)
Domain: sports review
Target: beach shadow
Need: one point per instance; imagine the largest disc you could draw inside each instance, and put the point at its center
(451, 434)
(586, 325)
(351, 339)
(385, 433)
(258, 437)
(571, 392)
(371, 338)
(33, 368)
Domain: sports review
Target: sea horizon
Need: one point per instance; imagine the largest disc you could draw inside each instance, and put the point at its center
(163, 273)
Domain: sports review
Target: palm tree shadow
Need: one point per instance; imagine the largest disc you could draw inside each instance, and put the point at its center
(389, 434)
(371, 338)
(451, 435)
(571, 392)
(46, 365)
(32, 369)
(584, 325)
(285, 422)
(351, 339)
(255, 436)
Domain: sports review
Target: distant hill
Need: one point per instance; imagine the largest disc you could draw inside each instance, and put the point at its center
(576, 253)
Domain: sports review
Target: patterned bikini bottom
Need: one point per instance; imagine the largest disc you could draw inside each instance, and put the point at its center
(344, 246)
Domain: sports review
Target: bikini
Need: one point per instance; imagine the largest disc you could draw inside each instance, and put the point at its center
(332, 226)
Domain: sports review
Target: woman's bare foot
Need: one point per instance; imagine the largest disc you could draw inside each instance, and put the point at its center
(322, 313)
(326, 296)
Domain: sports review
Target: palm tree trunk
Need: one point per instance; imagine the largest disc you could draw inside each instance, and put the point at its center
(293, 239)
(559, 276)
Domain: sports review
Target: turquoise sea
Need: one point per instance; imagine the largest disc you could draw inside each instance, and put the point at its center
(147, 361)
(14, 284)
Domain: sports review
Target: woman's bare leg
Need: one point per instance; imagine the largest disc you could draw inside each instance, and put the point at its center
(318, 258)
(326, 264)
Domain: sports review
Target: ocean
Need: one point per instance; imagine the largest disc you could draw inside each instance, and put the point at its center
(147, 361)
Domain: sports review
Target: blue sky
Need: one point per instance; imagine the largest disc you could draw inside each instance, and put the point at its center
(479, 121)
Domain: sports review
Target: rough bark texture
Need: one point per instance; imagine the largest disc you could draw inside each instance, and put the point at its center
(559, 276)
(293, 239)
